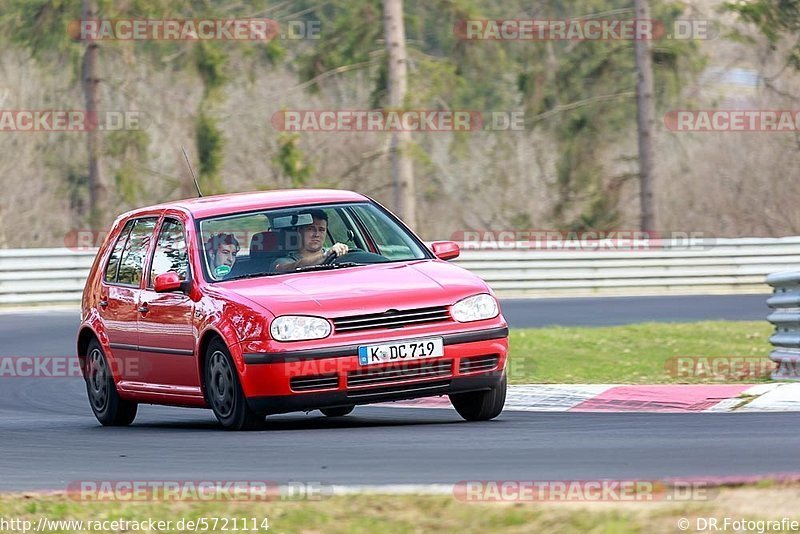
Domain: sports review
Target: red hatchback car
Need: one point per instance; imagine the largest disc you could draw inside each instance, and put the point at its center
(261, 303)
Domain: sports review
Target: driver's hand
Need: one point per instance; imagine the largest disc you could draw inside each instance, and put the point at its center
(340, 249)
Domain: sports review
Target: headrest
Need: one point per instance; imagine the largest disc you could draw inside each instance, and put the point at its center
(264, 243)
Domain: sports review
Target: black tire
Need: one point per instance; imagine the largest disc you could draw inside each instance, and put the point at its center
(481, 405)
(340, 411)
(108, 407)
(224, 392)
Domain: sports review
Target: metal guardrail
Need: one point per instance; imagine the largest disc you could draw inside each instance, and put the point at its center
(43, 275)
(785, 303)
(32, 276)
(711, 266)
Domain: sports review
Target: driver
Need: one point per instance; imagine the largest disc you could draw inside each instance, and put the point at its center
(221, 251)
(311, 252)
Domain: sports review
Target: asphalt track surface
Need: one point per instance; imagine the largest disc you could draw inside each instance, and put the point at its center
(49, 438)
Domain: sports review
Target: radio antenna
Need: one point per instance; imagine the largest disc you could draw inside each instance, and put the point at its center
(199, 193)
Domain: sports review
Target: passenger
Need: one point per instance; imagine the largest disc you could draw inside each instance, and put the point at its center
(221, 251)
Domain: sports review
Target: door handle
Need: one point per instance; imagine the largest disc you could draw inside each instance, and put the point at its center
(144, 308)
(103, 303)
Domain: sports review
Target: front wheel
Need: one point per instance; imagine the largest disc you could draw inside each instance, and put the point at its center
(224, 392)
(481, 405)
(104, 399)
(341, 411)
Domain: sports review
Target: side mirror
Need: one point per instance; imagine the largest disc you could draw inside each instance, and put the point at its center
(445, 250)
(168, 282)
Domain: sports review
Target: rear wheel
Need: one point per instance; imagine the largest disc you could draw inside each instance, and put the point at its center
(104, 399)
(224, 392)
(481, 405)
(340, 411)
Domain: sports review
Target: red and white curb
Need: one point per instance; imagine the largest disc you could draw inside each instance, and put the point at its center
(666, 398)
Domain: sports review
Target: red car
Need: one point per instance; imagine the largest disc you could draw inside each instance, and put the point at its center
(262, 303)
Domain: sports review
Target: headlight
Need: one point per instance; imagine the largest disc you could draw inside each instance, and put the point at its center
(299, 327)
(475, 308)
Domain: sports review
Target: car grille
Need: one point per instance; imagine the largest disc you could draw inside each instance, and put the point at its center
(308, 383)
(407, 390)
(391, 319)
(399, 374)
(478, 364)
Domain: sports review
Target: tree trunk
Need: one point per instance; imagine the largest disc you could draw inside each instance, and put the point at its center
(401, 165)
(646, 119)
(98, 188)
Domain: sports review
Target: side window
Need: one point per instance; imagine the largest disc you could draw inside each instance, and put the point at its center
(113, 261)
(336, 228)
(170, 254)
(132, 263)
(391, 243)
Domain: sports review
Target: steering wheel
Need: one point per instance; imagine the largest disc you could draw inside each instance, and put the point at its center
(356, 255)
(329, 258)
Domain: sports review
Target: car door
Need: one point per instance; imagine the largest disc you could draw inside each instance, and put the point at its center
(166, 320)
(119, 301)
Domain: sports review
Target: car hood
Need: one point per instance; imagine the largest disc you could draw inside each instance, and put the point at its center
(360, 290)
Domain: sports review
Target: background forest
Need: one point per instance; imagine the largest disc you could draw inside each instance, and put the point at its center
(575, 165)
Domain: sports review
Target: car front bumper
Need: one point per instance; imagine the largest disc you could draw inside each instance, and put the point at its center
(309, 379)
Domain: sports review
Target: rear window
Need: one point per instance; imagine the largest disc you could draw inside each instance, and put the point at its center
(116, 254)
(131, 259)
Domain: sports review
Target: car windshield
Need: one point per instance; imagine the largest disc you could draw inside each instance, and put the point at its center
(303, 239)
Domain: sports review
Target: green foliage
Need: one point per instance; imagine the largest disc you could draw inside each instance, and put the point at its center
(210, 61)
(272, 52)
(43, 26)
(578, 94)
(290, 160)
(210, 145)
(775, 19)
(351, 33)
(128, 151)
(583, 91)
(77, 189)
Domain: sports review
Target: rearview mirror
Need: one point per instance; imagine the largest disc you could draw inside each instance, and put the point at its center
(168, 282)
(445, 250)
(289, 221)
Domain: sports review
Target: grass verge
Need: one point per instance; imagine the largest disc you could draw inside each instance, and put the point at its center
(406, 514)
(642, 353)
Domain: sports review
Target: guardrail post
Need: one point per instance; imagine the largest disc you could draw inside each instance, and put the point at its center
(785, 303)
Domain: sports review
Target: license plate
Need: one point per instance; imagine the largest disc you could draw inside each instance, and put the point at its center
(401, 351)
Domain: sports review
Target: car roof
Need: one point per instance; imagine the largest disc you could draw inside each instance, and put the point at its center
(210, 206)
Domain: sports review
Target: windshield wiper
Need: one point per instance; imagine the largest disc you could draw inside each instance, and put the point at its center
(327, 266)
(250, 275)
